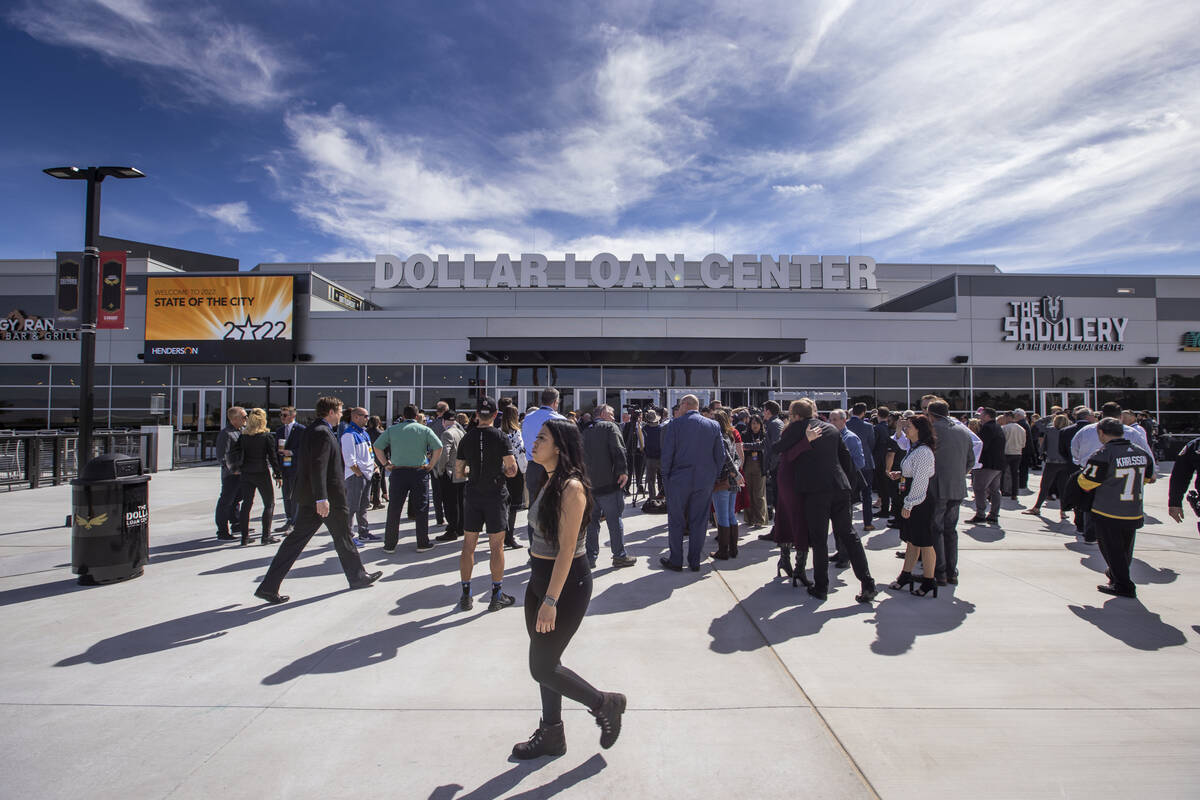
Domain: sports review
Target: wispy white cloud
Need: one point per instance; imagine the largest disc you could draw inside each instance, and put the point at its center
(234, 215)
(190, 48)
(797, 188)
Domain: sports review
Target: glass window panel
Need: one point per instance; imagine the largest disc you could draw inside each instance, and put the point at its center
(134, 397)
(577, 376)
(1178, 401)
(745, 376)
(150, 375)
(1172, 377)
(939, 376)
(14, 419)
(1003, 377)
(734, 398)
(632, 377)
(259, 397)
(258, 374)
(1133, 399)
(69, 418)
(957, 398)
(894, 399)
(30, 396)
(24, 375)
(1003, 399)
(459, 398)
(454, 375)
(123, 418)
(201, 375)
(65, 375)
(306, 397)
(1125, 378)
(1179, 423)
(326, 375)
(1066, 378)
(390, 375)
(876, 376)
(812, 377)
(68, 396)
(520, 376)
(688, 377)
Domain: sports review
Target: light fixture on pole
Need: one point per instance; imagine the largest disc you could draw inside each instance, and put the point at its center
(89, 290)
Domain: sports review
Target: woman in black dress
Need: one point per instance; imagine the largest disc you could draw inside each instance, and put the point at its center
(916, 515)
(253, 456)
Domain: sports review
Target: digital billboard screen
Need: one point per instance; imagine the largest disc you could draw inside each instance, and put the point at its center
(230, 319)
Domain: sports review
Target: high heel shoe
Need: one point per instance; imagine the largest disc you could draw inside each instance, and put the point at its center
(928, 585)
(905, 579)
(784, 567)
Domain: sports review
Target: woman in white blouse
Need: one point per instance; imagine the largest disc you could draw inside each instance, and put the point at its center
(916, 516)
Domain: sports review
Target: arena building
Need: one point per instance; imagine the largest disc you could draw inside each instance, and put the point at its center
(197, 335)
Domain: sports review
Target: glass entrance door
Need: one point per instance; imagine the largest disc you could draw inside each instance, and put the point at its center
(640, 399)
(522, 398)
(387, 404)
(1062, 398)
(705, 396)
(586, 400)
(201, 409)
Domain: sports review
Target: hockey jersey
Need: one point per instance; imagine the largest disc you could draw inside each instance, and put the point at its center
(1115, 475)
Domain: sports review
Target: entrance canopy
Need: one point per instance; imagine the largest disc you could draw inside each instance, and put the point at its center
(636, 350)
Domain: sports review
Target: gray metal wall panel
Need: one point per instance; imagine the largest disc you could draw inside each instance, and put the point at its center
(1179, 308)
(1025, 285)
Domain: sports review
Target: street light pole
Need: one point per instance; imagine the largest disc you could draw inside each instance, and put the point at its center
(89, 288)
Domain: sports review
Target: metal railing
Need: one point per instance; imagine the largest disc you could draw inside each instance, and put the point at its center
(51, 457)
(193, 448)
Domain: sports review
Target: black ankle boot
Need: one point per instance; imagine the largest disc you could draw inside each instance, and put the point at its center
(608, 717)
(547, 740)
(800, 576)
(784, 567)
(733, 540)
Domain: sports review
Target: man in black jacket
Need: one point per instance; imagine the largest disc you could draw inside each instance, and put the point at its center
(606, 457)
(985, 481)
(230, 500)
(320, 496)
(288, 437)
(822, 475)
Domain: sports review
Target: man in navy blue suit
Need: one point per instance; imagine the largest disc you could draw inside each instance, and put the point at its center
(692, 457)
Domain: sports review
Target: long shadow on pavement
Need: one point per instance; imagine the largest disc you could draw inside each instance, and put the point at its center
(508, 779)
(193, 628)
(1128, 621)
(1139, 570)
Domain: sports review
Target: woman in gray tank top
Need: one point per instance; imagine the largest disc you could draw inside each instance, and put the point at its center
(559, 590)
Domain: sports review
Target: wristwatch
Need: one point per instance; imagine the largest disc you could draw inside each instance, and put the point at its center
(549, 601)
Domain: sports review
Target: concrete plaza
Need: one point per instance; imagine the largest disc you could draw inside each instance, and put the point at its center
(1021, 682)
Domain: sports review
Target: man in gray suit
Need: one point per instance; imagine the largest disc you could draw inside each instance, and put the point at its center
(692, 457)
(954, 459)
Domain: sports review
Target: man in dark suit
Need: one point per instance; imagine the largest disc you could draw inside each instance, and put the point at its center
(985, 481)
(866, 433)
(288, 437)
(320, 498)
(692, 456)
(822, 476)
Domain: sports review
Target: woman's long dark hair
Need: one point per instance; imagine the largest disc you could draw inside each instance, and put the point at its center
(753, 435)
(925, 434)
(566, 437)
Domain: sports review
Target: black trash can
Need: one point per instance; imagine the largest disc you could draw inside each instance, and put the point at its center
(110, 537)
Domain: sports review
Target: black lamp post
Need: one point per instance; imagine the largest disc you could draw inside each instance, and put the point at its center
(88, 290)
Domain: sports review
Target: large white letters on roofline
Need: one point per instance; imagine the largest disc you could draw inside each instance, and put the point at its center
(605, 271)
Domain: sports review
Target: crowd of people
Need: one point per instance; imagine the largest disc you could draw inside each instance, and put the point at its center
(799, 473)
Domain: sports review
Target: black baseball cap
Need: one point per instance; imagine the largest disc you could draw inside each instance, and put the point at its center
(486, 405)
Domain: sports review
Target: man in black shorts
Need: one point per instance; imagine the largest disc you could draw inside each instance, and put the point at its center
(484, 459)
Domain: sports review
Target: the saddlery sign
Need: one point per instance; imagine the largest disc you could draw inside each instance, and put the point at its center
(606, 271)
(1041, 325)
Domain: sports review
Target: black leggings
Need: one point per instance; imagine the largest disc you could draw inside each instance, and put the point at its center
(262, 482)
(546, 649)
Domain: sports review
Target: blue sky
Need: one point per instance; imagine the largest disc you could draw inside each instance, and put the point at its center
(1030, 135)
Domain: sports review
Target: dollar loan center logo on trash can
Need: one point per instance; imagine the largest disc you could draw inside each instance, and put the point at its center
(138, 516)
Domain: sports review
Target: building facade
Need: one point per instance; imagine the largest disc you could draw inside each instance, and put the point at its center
(742, 329)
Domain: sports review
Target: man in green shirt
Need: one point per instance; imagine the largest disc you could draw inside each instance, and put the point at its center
(408, 450)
